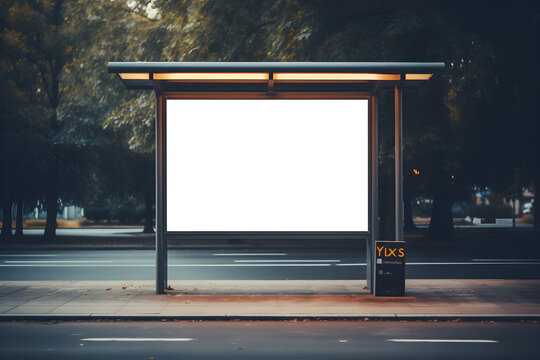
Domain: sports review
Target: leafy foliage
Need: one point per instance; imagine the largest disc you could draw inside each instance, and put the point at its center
(71, 131)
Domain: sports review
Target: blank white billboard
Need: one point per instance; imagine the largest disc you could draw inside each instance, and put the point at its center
(267, 165)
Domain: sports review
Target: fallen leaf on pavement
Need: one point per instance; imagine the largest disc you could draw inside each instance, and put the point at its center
(188, 302)
(108, 289)
(85, 293)
(124, 287)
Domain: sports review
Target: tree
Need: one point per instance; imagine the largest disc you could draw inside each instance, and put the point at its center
(122, 122)
(91, 138)
(21, 104)
(36, 27)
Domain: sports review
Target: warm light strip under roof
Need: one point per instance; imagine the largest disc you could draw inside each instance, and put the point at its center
(335, 76)
(134, 76)
(277, 76)
(211, 76)
(418, 76)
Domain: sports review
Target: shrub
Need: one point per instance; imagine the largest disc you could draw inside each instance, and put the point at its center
(125, 211)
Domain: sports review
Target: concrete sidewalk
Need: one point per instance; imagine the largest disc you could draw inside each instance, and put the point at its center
(271, 300)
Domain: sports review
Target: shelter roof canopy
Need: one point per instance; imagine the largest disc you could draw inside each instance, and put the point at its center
(279, 76)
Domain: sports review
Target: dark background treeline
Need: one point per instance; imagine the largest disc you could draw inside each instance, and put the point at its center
(70, 134)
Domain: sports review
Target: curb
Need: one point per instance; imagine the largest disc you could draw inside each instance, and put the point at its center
(390, 317)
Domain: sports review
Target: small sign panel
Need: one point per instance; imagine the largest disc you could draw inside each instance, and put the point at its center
(390, 268)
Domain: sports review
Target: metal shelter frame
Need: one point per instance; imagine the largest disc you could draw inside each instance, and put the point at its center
(270, 80)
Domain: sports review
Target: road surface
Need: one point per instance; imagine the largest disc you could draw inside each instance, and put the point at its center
(268, 340)
(251, 265)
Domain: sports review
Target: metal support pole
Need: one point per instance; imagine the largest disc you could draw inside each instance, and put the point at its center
(398, 107)
(374, 226)
(161, 245)
(514, 212)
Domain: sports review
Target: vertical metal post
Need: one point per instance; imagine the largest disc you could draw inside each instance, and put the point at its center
(161, 246)
(374, 226)
(398, 107)
(514, 211)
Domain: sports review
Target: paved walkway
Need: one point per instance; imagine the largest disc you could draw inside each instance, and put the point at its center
(479, 299)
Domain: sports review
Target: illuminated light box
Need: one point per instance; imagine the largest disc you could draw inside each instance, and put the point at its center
(267, 165)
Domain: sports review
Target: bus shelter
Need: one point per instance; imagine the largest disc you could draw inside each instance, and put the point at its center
(272, 150)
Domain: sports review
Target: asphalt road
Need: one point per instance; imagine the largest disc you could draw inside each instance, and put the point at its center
(252, 265)
(268, 340)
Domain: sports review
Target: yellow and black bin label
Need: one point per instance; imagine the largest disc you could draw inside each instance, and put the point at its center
(389, 268)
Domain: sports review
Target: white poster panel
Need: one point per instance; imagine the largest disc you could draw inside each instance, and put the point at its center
(267, 165)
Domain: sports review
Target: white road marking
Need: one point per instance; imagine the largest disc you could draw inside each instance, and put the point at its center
(56, 261)
(27, 255)
(252, 254)
(352, 264)
(475, 263)
(76, 265)
(283, 261)
(251, 264)
(152, 265)
(506, 259)
(244, 263)
(442, 341)
(451, 263)
(139, 339)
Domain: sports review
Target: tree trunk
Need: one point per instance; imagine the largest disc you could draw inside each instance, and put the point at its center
(441, 226)
(52, 210)
(407, 214)
(6, 219)
(19, 220)
(148, 210)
